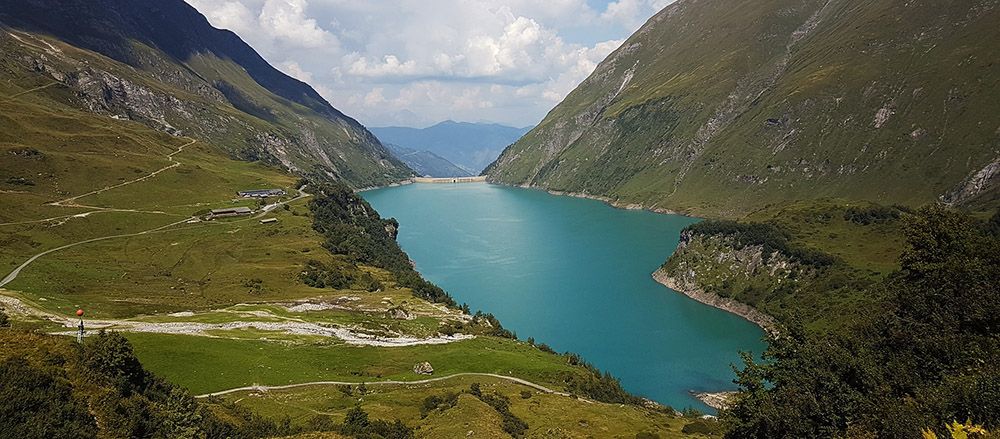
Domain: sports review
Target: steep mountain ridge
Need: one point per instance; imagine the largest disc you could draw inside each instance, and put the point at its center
(163, 64)
(720, 109)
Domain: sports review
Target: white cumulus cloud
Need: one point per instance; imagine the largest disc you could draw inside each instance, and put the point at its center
(418, 62)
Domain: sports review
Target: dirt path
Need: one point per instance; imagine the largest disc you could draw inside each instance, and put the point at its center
(13, 274)
(71, 202)
(515, 380)
(17, 95)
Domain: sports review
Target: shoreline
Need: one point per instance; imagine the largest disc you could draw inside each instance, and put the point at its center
(394, 184)
(747, 312)
(606, 200)
(716, 400)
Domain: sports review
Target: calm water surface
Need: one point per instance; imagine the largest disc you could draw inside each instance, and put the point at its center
(575, 274)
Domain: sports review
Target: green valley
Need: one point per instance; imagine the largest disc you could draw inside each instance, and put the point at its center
(118, 143)
(199, 213)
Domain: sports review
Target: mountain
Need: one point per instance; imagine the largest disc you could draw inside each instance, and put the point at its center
(471, 146)
(123, 125)
(161, 63)
(426, 162)
(719, 108)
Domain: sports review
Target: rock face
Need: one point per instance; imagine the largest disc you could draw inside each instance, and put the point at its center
(423, 368)
(162, 64)
(714, 270)
(400, 314)
(719, 108)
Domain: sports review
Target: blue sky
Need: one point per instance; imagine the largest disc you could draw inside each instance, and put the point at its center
(417, 62)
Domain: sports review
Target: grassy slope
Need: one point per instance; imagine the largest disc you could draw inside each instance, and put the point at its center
(821, 297)
(247, 122)
(545, 414)
(689, 131)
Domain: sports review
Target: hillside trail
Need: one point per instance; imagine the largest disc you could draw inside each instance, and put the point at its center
(259, 388)
(71, 201)
(17, 95)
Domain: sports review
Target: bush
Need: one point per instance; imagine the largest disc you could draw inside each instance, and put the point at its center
(704, 427)
(39, 402)
(769, 236)
(871, 215)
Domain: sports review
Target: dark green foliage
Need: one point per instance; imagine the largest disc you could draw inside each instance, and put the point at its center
(64, 391)
(4, 319)
(110, 356)
(40, 402)
(927, 355)
(511, 424)
(491, 322)
(872, 214)
(353, 228)
(19, 181)
(595, 385)
(435, 402)
(346, 389)
(770, 237)
(475, 390)
(254, 286)
(318, 275)
(357, 425)
(993, 225)
(705, 427)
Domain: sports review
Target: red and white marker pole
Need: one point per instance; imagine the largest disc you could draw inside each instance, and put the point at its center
(79, 335)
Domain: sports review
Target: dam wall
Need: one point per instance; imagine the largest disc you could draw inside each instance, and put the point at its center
(476, 179)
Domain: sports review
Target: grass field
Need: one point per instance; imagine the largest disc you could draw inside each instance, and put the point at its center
(546, 415)
(205, 364)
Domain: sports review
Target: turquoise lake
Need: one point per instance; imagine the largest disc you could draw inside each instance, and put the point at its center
(575, 274)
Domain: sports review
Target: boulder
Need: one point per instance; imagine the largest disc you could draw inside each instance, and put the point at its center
(423, 368)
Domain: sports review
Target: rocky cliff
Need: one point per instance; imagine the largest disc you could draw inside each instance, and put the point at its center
(719, 108)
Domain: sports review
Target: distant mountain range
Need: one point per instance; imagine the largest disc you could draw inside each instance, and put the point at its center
(471, 146)
(426, 163)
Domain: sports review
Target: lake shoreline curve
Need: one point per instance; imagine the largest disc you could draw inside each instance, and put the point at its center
(747, 312)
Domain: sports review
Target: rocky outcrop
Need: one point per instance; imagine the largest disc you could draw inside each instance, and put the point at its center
(423, 368)
(713, 270)
(715, 400)
(979, 182)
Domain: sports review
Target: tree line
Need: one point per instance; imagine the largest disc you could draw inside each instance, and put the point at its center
(925, 355)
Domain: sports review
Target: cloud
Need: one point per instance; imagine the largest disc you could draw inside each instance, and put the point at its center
(285, 20)
(632, 13)
(419, 62)
(292, 68)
